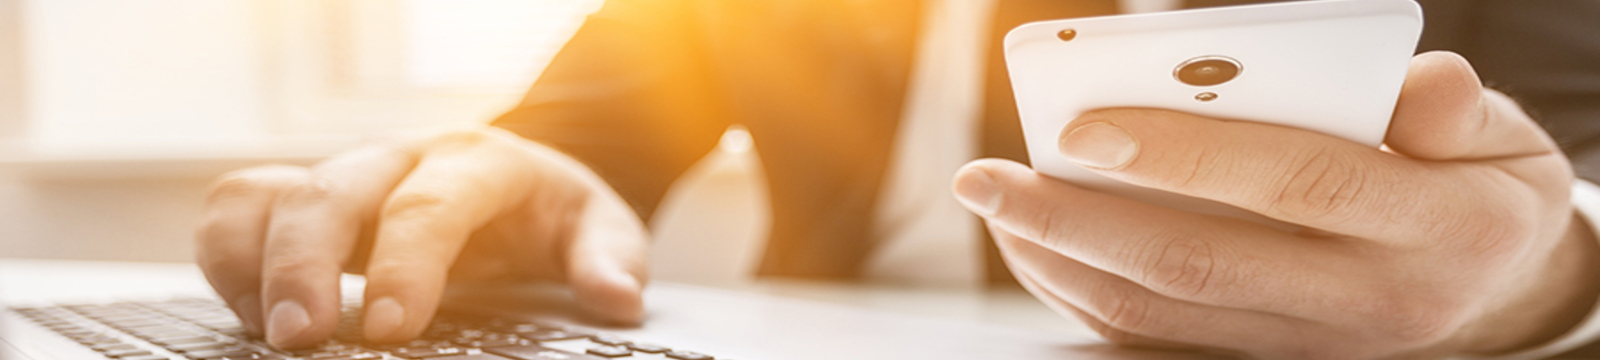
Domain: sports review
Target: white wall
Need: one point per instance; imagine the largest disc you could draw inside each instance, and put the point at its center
(141, 73)
(132, 106)
(121, 219)
(12, 123)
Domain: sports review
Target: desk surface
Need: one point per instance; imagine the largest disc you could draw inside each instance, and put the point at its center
(1010, 318)
(40, 281)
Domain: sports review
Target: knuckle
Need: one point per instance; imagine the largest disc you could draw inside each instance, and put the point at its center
(463, 138)
(210, 235)
(293, 266)
(1498, 226)
(415, 203)
(1324, 184)
(1191, 174)
(1182, 266)
(407, 271)
(217, 248)
(251, 182)
(236, 185)
(377, 267)
(207, 256)
(1044, 221)
(314, 191)
(1052, 228)
(210, 231)
(1123, 311)
(1491, 236)
(1410, 319)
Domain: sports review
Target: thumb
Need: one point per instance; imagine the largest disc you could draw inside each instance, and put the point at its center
(1444, 113)
(607, 261)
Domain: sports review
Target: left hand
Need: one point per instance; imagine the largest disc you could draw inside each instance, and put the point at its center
(1458, 239)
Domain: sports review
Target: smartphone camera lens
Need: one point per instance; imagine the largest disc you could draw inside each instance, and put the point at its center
(1207, 70)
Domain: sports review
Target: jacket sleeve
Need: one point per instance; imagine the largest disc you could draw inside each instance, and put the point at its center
(630, 96)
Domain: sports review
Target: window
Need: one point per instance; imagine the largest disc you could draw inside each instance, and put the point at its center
(163, 79)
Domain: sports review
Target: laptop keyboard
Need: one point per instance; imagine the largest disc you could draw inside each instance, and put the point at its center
(202, 329)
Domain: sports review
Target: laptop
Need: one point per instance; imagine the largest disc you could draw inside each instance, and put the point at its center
(58, 310)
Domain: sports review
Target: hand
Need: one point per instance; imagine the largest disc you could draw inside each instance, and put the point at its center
(474, 204)
(1459, 238)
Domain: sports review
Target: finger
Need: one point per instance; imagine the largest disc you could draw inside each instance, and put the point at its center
(1288, 174)
(1111, 334)
(606, 265)
(1062, 307)
(1444, 113)
(314, 229)
(1126, 307)
(228, 242)
(423, 226)
(1200, 258)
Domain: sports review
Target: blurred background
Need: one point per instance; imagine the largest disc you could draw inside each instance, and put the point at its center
(114, 115)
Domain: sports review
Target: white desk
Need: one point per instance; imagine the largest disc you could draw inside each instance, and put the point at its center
(880, 323)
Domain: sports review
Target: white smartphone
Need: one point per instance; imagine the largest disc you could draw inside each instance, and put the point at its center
(1331, 66)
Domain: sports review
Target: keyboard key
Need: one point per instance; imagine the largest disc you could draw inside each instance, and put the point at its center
(78, 333)
(610, 351)
(182, 340)
(687, 355)
(419, 343)
(165, 334)
(608, 340)
(553, 335)
(473, 357)
(184, 348)
(112, 347)
(252, 357)
(104, 340)
(337, 353)
(144, 357)
(356, 356)
(535, 352)
(493, 343)
(304, 352)
(472, 334)
(126, 353)
(427, 352)
(649, 348)
(207, 330)
(231, 352)
(517, 328)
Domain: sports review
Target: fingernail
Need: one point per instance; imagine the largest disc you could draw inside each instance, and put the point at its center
(1099, 145)
(289, 319)
(976, 189)
(384, 318)
(249, 307)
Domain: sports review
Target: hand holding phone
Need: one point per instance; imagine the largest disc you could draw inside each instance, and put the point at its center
(1334, 67)
(1458, 238)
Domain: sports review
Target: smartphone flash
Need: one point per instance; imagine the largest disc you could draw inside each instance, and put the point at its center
(1206, 96)
(1067, 35)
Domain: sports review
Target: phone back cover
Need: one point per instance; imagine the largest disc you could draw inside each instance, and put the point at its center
(1333, 66)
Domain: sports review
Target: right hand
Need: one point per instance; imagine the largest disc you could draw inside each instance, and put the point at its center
(477, 204)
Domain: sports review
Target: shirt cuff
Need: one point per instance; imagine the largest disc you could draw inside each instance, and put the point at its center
(1586, 198)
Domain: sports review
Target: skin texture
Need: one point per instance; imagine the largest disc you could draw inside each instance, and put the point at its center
(1459, 237)
(465, 205)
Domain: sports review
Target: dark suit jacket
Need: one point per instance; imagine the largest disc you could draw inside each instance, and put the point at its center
(646, 87)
